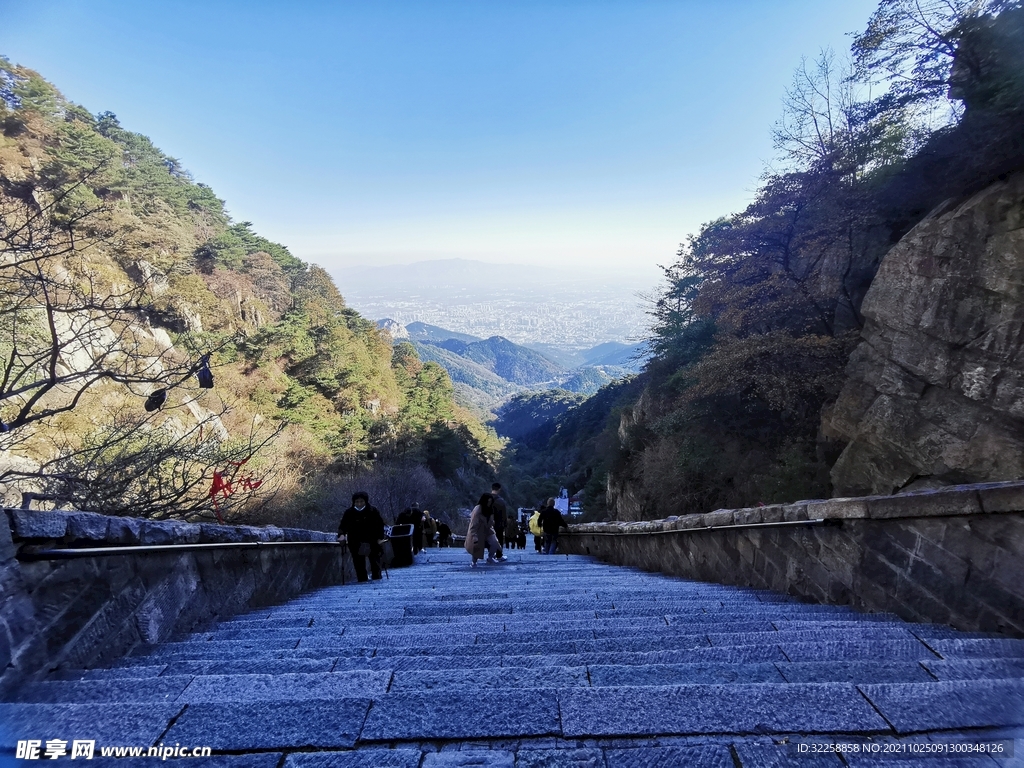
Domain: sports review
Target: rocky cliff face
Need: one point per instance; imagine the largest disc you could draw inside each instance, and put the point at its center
(936, 388)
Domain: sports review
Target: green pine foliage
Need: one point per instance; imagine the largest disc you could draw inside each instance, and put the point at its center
(289, 349)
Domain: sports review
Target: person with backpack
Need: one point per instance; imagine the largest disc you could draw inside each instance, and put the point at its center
(362, 529)
(536, 530)
(550, 521)
(429, 530)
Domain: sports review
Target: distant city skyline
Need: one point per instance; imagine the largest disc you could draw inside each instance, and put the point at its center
(527, 305)
(582, 134)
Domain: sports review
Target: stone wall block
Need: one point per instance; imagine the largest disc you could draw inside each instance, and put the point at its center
(157, 532)
(793, 512)
(91, 640)
(124, 530)
(1004, 531)
(210, 533)
(266, 562)
(1007, 570)
(27, 524)
(61, 586)
(748, 516)
(87, 527)
(250, 533)
(841, 509)
(186, 533)
(19, 613)
(719, 517)
(941, 502)
(1002, 498)
(773, 513)
(156, 616)
(962, 539)
(62, 627)
(922, 601)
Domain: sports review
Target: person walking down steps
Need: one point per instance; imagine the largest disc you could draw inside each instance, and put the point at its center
(500, 516)
(362, 528)
(480, 535)
(417, 528)
(550, 521)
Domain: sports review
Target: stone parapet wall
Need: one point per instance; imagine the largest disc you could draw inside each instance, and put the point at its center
(85, 611)
(953, 556)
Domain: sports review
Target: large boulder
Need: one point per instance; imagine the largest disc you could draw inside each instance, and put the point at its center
(935, 393)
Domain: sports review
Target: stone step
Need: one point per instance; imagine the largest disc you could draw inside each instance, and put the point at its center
(693, 709)
(864, 671)
(101, 673)
(605, 676)
(845, 650)
(490, 678)
(618, 668)
(978, 648)
(511, 632)
(164, 690)
(916, 707)
(508, 624)
(976, 669)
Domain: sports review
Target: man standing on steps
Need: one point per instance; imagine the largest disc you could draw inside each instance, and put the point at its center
(362, 528)
(550, 521)
(500, 517)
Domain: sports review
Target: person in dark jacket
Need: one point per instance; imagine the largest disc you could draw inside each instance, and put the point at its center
(550, 521)
(362, 528)
(444, 535)
(499, 513)
(417, 528)
(511, 533)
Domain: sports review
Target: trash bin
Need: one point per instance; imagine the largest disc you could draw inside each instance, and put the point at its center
(400, 537)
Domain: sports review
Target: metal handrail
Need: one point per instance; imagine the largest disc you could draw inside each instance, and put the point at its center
(782, 524)
(64, 554)
(72, 552)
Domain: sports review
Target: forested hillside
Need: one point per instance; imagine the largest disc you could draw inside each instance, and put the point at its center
(123, 281)
(758, 315)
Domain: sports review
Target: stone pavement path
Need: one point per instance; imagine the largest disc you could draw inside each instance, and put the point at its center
(542, 661)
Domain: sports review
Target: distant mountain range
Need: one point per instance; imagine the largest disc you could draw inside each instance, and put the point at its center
(486, 372)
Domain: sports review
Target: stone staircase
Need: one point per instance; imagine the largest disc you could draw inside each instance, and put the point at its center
(540, 661)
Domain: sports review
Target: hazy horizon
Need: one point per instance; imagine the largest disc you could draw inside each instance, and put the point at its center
(525, 304)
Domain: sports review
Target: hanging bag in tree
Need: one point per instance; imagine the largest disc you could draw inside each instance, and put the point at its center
(204, 374)
(155, 400)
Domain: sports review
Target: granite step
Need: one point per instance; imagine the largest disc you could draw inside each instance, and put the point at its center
(575, 663)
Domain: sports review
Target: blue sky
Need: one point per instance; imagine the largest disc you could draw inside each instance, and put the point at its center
(591, 134)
